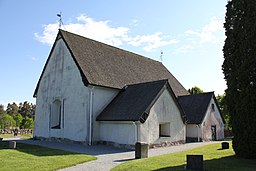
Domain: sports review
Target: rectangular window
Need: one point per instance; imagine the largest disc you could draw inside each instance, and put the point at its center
(164, 130)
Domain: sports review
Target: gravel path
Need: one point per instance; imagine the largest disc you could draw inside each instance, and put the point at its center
(108, 156)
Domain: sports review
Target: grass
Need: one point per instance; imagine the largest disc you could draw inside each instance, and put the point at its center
(32, 157)
(214, 159)
(22, 136)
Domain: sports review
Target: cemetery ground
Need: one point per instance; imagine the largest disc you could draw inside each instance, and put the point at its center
(214, 159)
(32, 157)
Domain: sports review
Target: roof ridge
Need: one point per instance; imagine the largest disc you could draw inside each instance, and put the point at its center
(136, 54)
(148, 82)
(198, 94)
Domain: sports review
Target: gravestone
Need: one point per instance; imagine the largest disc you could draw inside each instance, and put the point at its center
(1, 139)
(141, 150)
(12, 144)
(224, 145)
(195, 162)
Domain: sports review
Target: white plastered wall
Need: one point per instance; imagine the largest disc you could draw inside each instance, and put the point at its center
(101, 98)
(212, 118)
(194, 131)
(62, 80)
(118, 132)
(164, 110)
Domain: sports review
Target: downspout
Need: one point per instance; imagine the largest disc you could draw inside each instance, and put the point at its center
(198, 139)
(90, 115)
(135, 132)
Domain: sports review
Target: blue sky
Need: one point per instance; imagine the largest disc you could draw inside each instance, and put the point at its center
(189, 33)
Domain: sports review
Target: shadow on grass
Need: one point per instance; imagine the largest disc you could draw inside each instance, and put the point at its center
(73, 148)
(230, 163)
(77, 148)
(35, 149)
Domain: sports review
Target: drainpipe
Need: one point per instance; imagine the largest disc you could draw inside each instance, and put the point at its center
(90, 115)
(198, 139)
(135, 132)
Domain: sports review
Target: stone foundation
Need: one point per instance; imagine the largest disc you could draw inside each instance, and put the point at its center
(109, 143)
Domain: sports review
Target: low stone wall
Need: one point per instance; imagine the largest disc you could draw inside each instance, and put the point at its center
(65, 140)
(20, 131)
(123, 146)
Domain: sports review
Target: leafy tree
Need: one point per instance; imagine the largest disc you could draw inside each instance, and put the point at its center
(239, 68)
(12, 109)
(27, 109)
(223, 107)
(7, 122)
(18, 119)
(195, 90)
(27, 123)
(2, 111)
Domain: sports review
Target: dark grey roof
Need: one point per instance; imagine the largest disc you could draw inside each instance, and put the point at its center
(134, 102)
(195, 106)
(108, 66)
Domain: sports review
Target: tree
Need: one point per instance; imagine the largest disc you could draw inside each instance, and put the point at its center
(2, 111)
(223, 107)
(18, 119)
(239, 68)
(12, 109)
(27, 109)
(7, 122)
(27, 123)
(195, 90)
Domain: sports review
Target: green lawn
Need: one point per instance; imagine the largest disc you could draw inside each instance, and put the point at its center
(23, 136)
(32, 157)
(214, 159)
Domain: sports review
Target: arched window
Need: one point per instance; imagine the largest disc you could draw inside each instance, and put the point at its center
(56, 114)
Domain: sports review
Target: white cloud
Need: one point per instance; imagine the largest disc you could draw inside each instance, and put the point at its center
(152, 41)
(184, 49)
(49, 34)
(208, 32)
(104, 32)
(211, 33)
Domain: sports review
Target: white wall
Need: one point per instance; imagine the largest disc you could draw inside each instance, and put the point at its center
(212, 118)
(193, 131)
(163, 111)
(101, 98)
(62, 80)
(118, 132)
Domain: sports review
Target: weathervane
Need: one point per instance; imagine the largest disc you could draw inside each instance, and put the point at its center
(60, 20)
(161, 56)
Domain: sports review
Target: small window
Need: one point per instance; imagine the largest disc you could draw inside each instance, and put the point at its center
(56, 114)
(164, 130)
(213, 107)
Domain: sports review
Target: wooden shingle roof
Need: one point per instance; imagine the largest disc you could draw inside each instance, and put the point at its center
(104, 65)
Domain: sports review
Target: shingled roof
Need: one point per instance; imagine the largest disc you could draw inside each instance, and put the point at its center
(195, 106)
(104, 65)
(134, 102)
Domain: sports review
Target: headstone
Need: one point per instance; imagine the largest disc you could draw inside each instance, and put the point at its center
(141, 150)
(1, 139)
(224, 145)
(195, 162)
(12, 144)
